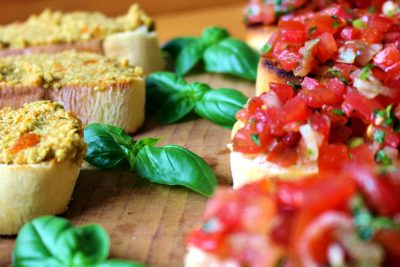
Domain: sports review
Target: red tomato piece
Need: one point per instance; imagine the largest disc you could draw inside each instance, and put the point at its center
(379, 22)
(282, 155)
(349, 33)
(326, 47)
(321, 123)
(288, 60)
(345, 69)
(371, 36)
(283, 91)
(310, 83)
(318, 97)
(390, 240)
(292, 31)
(251, 140)
(356, 104)
(387, 58)
(319, 24)
(332, 156)
(295, 110)
(338, 87)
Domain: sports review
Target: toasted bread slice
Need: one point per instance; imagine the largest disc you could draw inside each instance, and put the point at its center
(247, 168)
(258, 35)
(93, 87)
(130, 36)
(41, 151)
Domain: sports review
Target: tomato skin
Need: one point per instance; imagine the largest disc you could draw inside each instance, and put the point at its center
(390, 240)
(243, 141)
(321, 24)
(318, 97)
(282, 155)
(292, 31)
(338, 87)
(380, 194)
(379, 22)
(288, 59)
(345, 69)
(349, 33)
(285, 92)
(356, 104)
(332, 156)
(295, 110)
(326, 47)
(387, 58)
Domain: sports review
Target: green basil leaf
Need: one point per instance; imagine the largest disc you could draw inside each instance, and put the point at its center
(175, 46)
(50, 241)
(159, 86)
(174, 165)
(83, 246)
(175, 108)
(220, 106)
(189, 57)
(109, 147)
(213, 35)
(233, 57)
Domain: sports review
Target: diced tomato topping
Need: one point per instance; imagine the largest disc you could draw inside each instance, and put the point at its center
(282, 155)
(251, 139)
(321, 123)
(390, 239)
(318, 97)
(331, 156)
(326, 47)
(371, 35)
(349, 33)
(285, 92)
(320, 24)
(387, 58)
(356, 104)
(338, 87)
(288, 60)
(295, 110)
(292, 31)
(379, 23)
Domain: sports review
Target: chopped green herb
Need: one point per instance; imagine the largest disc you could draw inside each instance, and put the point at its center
(312, 30)
(295, 86)
(389, 117)
(366, 72)
(310, 152)
(338, 112)
(371, 9)
(379, 136)
(266, 48)
(256, 139)
(359, 24)
(338, 74)
(355, 142)
(382, 158)
(397, 128)
(335, 24)
(366, 223)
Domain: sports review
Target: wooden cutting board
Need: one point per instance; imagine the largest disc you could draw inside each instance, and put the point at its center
(147, 222)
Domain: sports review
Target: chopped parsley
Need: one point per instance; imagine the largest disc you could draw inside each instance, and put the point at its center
(266, 48)
(312, 30)
(359, 24)
(256, 139)
(295, 86)
(382, 158)
(366, 223)
(338, 112)
(335, 24)
(338, 74)
(379, 136)
(371, 9)
(386, 116)
(366, 72)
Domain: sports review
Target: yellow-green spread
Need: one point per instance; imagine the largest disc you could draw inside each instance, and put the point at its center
(56, 27)
(66, 69)
(38, 132)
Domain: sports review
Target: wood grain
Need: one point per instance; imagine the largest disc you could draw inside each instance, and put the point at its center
(147, 222)
(12, 10)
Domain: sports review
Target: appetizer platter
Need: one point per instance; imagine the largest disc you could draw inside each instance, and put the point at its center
(207, 151)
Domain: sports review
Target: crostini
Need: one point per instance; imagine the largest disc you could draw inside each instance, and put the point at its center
(93, 87)
(41, 151)
(261, 17)
(131, 37)
(333, 219)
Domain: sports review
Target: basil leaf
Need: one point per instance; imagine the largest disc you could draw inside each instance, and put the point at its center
(233, 57)
(175, 108)
(159, 86)
(109, 147)
(83, 246)
(53, 242)
(189, 57)
(220, 106)
(213, 35)
(175, 46)
(174, 165)
(119, 263)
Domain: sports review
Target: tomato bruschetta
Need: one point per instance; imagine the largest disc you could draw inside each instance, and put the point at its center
(349, 217)
(261, 17)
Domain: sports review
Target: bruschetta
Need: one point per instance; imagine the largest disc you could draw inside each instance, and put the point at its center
(41, 151)
(130, 37)
(261, 17)
(333, 219)
(95, 88)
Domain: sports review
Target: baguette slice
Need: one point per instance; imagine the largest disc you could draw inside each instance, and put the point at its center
(130, 36)
(93, 87)
(41, 152)
(257, 36)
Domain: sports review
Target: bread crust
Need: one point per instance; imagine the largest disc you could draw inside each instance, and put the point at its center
(258, 35)
(32, 190)
(269, 71)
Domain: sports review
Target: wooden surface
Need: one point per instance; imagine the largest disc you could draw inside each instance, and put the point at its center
(12, 10)
(147, 222)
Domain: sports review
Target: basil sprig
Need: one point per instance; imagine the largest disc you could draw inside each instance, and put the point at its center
(217, 51)
(110, 147)
(53, 242)
(366, 223)
(173, 98)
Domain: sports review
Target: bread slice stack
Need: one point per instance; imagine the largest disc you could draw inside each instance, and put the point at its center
(131, 36)
(41, 151)
(93, 87)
